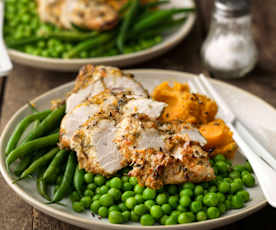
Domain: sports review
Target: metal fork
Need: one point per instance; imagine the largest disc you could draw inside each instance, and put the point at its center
(5, 63)
(265, 174)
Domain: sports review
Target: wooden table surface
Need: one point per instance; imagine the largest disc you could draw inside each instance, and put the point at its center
(25, 83)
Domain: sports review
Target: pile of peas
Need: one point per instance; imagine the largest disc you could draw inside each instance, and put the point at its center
(22, 21)
(121, 199)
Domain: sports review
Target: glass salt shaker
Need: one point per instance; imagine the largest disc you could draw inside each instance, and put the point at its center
(229, 50)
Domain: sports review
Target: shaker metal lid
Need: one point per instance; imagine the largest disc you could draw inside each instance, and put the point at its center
(232, 8)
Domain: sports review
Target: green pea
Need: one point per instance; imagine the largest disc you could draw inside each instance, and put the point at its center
(201, 216)
(103, 212)
(219, 157)
(95, 206)
(221, 197)
(213, 188)
(138, 189)
(224, 187)
(213, 212)
(172, 189)
(175, 214)
(235, 174)
(88, 192)
(199, 198)
(248, 180)
(166, 208)
(149, 194)
(163, 219)
(186, 192)
(127, 186)
(106, 200)
(115, 193)
(173, 201)
(99, 180)
(237, 202)
(114, 208)
(130, 202)
(222, 167)
(115, 217)
(235, 186)
(134, 217)
(140, 209)
(186, 217)
(96, 197)
(126, 215)
(86, 201)
(133, 180)
(75, 196)
(244, 195)
(156, 211)
(248, 167)
(210, 199)
(238, 168)
(181, 208)
(188, 185)
(245, 172)
(228, 180)
(124, 178)
(149, 204)
(92, 186)
(139, 198)
(78, 207)
(116, 182)
(198, 190)
(228, 204)
(127, 194)
(122, 207)
(162, 198)
(185, 201)
(103, 189)
(147, 220)
(196, 206)
(170, 220)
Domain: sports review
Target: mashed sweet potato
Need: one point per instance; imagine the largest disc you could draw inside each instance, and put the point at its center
(184, 105)
(198, 110)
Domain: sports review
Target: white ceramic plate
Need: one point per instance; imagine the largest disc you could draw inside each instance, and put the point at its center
(170, 40)
(149, 78)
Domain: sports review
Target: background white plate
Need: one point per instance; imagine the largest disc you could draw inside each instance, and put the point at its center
(170, 40)
(243, 103)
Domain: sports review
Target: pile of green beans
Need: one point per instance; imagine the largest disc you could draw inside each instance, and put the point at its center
(120, 198)
(24, 31)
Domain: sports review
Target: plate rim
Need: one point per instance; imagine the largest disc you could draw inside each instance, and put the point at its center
(72, 219)
(133, 58)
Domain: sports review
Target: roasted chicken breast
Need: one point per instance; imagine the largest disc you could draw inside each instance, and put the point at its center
(90, 14)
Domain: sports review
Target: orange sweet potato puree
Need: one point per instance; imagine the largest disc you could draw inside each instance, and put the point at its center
(198, 110)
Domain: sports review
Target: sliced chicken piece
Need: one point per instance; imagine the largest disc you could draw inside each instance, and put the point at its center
(160, 157)
(152, 109)
(94, 79)
(90, 14)
(96, 151)
(51, 10)
(81, 113)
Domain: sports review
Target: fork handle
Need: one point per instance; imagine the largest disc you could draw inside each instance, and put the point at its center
(265, 174)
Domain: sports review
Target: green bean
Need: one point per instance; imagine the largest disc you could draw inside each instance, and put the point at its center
(66, 180)
(41, 184)
(21, 127)
(13, 43)
(89, 44)
(51, 173)
(72, 36)
(164, 28)
(155, 4)
(48, 124)
(41, 161)
(128, 19)
(124, 7)
(156, 18)
(79, 179)
(32, 146)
